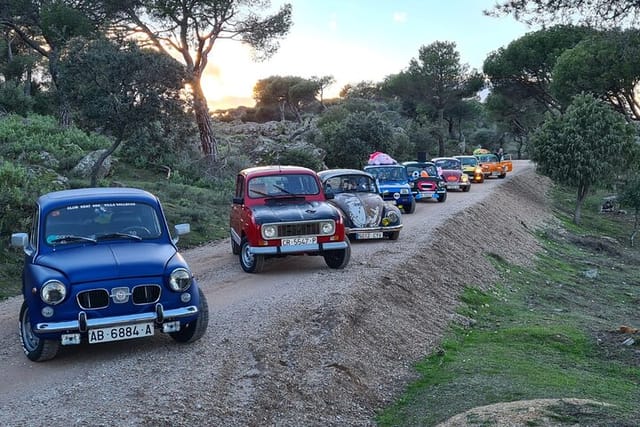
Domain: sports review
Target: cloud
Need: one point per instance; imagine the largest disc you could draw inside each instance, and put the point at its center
(400, 17)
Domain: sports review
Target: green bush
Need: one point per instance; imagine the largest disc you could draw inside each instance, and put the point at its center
(39, 140)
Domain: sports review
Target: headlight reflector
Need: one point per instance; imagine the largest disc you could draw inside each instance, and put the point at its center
(327, 228)
(53, 292)
(180, 279)
(269, 231)
(392, 217)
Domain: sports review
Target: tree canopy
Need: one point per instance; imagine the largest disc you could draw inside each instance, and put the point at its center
(606, 64)
(592, 12)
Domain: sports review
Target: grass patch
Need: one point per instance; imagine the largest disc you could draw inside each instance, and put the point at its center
(550, 331)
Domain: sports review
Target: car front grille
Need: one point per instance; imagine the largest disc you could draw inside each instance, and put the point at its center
(146, 294)
(93, 299)
(299, 229)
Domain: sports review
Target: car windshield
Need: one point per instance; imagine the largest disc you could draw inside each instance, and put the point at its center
(350, 184)
(422, 171)
(448, 163)
(388, 173)
(469, 161)
(92, 222)
(283, 185)
(487, 158)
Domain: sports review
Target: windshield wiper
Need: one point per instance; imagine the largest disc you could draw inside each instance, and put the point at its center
(118, 236)
(72, 238)
(284, 190)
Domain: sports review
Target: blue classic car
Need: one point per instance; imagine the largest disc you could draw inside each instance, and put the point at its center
(394, 185)
(356, 195)
(101, 265)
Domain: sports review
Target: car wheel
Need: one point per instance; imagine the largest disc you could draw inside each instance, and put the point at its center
(36, 349)
(235, 248)
(412, 207)
(338, 259)
(193, 331)
(394, 235)
(250, 263)
(502, 176)
(442, 197)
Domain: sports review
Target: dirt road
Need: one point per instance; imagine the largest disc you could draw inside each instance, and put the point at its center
(299, 344)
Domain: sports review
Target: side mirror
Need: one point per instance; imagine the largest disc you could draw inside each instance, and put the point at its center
(20, 240)
(179, 230)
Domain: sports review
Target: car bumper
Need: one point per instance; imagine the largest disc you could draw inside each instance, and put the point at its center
(458, 185)
(387, 229)
(83, 323)
(294, 249)
(420, 195)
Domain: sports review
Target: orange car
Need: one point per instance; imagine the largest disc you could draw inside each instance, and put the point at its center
(492, 166)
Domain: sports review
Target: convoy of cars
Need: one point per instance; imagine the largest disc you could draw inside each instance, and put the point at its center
(101, 264)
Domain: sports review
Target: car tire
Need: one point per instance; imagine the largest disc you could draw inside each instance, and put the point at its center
(412, 207)
(249, 262)
(442, 198)
(36, 349)
(502, 176)
(235, 248)
(193, 331)
(394, 235)
(338, 259)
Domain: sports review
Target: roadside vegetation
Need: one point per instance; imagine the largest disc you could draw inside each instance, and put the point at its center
(554, 331)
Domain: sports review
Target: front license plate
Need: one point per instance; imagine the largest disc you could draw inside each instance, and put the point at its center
(297, 241)
(454, 186)
(117, 333)
(372, 235)
(495, 173)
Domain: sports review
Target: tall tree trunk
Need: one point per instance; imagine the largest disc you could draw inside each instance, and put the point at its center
(98, 164)
(441, 139)
(208, 141)
(64, 110)
(583, 190)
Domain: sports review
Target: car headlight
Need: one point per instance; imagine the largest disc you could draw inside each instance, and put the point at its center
(392, 217)
(327, 228)
(269, 231)
(53, 292)
(478, 170)
(180, 279)
(465, 178)
(404, 191)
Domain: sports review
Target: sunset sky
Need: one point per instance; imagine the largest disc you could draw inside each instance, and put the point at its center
(357, 40)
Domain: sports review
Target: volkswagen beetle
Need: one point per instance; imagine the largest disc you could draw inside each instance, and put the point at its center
(357, 196)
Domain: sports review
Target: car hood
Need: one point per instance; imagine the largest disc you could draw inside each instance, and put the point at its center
(287, 211)
(361, 209)
(110, 261)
